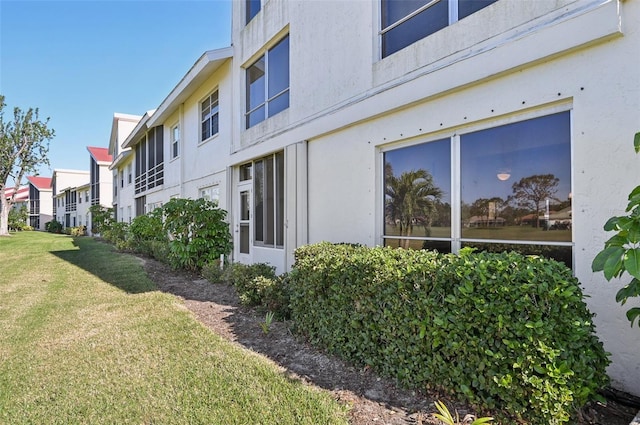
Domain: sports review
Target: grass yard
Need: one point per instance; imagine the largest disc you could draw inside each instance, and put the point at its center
(86, 338)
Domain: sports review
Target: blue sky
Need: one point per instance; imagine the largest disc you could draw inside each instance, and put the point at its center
(79, 62)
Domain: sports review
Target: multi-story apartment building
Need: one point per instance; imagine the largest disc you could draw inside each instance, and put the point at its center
(65, 185)
(122, 166)
(40, 201)
(320, 114)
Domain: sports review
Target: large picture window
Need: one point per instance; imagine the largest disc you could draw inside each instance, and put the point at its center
(514, 190)
(406, 21)
(268, 84)
(268, 189)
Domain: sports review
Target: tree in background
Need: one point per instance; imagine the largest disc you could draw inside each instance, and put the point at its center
(531, 191)
(411, 198)
(24, 145)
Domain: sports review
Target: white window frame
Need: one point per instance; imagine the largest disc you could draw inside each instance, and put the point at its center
(209, 115)
(455, 135)
(452, 14)
(268, 99)
(210, 193)
(175, 142)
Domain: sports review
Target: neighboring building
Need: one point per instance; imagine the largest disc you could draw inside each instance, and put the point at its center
(122, 166)
(100, 180)
(306, 138)
(83, 203)
(40, 202)
(65, 185)
(21, 198)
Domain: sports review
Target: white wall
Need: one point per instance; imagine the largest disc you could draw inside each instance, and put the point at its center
(533, 59)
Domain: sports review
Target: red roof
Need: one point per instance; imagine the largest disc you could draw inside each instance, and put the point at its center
(22, 195)
(100, 154)
(40, 182)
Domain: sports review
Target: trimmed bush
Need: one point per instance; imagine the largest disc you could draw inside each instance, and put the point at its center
(501, 330)
(198, 232)
(53, 226)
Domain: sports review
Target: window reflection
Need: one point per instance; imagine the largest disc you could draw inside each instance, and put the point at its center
(515, 191)
(418, 193)
(516, 181)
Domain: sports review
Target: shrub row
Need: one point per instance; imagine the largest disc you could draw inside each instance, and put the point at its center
(257, 285)
(504, 331)
(185, 233)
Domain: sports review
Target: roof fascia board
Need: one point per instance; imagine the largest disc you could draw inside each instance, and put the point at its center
(206, 65)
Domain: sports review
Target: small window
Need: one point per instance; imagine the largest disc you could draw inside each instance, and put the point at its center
(245, 172)
(209, 116)
(175, 141)
(405, 22)
(129, 173)
(252, 8)
(211, 193)
(267, 84)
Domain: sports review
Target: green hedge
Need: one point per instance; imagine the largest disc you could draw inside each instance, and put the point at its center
(503, 331)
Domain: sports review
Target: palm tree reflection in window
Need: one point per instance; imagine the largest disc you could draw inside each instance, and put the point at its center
(410, 201)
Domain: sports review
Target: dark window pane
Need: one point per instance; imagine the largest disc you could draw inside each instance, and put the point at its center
(440, 246)
(417, 181)
(394, 10)
(244, 238)
(423, 24)
(280, 199)
(214, 124)
(255, 84)
(279, 104)
(253, 7)
(245, 172)
(278, 73)
(467, 7)
(516, 181)
(563, 254)
(255, 117)
(258, 201)
(269, 199)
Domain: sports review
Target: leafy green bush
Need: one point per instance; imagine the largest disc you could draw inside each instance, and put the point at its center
(621, 252)
(17, 218)
(53, 226)
(116, 233)
(248, 280)
(501, 330)
(78, 231)
(101, 218)
(198, 232)
(147, 227)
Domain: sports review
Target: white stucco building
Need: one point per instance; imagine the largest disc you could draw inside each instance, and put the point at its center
(65, 196)
(305, 126)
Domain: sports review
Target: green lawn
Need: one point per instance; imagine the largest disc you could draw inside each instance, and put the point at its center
(86, 338)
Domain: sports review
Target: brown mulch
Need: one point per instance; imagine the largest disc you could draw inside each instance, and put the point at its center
(371, 399)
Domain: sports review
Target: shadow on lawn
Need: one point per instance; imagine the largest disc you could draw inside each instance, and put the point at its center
(101, 260)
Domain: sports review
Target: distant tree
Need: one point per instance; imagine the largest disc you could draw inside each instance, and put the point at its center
(482, 207)
(24, 145)
(531, 191)
(411, 198)
(17, 218)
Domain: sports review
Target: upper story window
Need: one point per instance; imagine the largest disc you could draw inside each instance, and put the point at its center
(209, 116)
(149, 158)
(268, 84)
(406, 21)
(129, 173)
(252, 9)
(175, 141)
